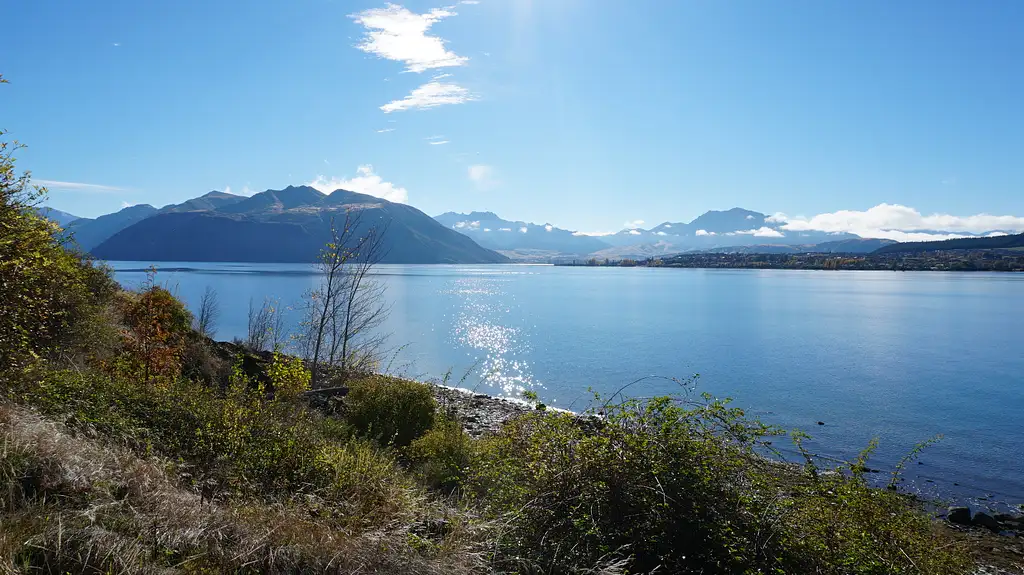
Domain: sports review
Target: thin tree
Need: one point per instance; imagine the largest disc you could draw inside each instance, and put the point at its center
(266, 326)
(343, 312)
(209, 313)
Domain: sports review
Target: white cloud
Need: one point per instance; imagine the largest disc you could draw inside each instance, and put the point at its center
(749, 217)
(430, 95)
(441, 76)
(997, 234)
(504, 229)
(460, 225)
(594, 234)
(395, 33)
(365, 182)
(634, 232)
(633, 224)
(662, 234)
(901, 223)
(523, 230)
(385, 130)
(704, 233)
(548, 228)
(668, 225)
(474, 225)
(487, 229)
(439, 143)
(762, 232)
(469, 2)
(481, 175)
(76, 186)
(127, 205)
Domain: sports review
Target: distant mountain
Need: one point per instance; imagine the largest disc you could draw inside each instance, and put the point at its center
(491, 231)
(61, 218)
(209, 201)
(985, 243)
(89, 233)
(289, 225)
(854, 246)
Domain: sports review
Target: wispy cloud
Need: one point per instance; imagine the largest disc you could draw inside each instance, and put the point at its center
(482, 176)
(430, 95)
(439, 143)
(470, 2)
(385, 130)
(365, 182)
(901, 223)
(594, 234)
(633, 224)
(395, 33)
(77, 186)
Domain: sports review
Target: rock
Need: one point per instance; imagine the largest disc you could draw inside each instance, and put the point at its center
(959, 515)
(982, 519)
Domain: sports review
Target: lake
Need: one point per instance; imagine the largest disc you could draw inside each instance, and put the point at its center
(901, 356)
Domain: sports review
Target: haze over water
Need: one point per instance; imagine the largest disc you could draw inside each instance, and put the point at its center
(898, 356)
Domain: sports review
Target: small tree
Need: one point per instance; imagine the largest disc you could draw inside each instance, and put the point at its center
(209, 313)
(345, 310)
(266, 326)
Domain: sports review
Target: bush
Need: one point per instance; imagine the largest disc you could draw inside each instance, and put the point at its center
(677, 487)
(443, 456)
(47, 293)
(391, 411)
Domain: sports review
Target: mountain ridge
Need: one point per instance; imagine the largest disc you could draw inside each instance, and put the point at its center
(288, 226)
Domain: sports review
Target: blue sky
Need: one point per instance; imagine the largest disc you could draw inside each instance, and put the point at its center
(585, 114)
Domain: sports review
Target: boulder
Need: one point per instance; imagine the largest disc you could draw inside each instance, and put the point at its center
(959, 515)
(982, 519)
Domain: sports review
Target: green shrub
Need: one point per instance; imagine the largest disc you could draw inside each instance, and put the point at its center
(443, 456)
(47, 293)
(391, 411)
(680, 488)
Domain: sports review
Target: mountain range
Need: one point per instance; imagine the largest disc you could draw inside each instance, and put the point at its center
(728, 230)
(289, 225)
(293, 224)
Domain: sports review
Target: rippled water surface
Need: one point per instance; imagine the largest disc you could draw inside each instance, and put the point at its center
(898, 356)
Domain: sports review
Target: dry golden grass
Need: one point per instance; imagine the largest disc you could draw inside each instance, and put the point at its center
(73, 505)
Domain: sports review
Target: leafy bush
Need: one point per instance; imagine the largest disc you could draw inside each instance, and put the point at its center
(392, 411)
(443, 456)
(289, 377)
(46, 292)
(679, 487)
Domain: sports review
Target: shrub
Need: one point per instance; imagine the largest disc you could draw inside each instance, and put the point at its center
(288, 376)
(392, 411)
(443, 456)
(47, 293)
(678, 487)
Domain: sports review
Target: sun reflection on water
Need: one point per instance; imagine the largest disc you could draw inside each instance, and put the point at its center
(486, 326)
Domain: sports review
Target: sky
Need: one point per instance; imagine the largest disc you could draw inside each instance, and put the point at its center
(592, 115)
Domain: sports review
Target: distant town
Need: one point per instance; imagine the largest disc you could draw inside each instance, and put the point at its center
(1011, 260)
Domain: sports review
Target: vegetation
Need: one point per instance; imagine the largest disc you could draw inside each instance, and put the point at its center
(1001, 260)
(132, 444)
(986, 243)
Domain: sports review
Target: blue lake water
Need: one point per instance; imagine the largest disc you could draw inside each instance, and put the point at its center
(897, 356)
